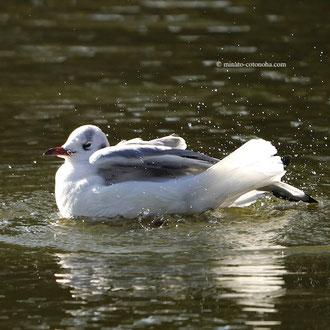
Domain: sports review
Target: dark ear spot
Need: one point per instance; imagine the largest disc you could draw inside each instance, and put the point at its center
(102, 146)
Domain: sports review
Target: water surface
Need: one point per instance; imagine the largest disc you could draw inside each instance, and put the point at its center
(150, 68)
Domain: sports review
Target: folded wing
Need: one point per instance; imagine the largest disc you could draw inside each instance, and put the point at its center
(171, 141)
(156, 159)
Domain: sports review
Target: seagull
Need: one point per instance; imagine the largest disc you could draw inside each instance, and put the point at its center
(161, 176)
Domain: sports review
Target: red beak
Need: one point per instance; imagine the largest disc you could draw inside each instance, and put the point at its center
(58, 151)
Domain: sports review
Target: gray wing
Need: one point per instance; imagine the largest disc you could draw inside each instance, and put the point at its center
(134, 161)
(171, 141)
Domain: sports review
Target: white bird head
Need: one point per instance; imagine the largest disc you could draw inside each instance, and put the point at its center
(81, 144)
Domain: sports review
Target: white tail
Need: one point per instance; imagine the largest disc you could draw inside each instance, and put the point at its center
(239, 178)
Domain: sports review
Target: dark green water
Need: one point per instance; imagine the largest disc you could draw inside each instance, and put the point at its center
(150, 68)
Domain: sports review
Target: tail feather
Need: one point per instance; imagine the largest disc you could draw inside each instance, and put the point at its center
(248, 198)
(250, 152)
(250, 167)
(290, 193)
(241, 177)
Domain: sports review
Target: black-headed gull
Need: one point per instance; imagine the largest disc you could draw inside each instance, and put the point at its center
(161, 177)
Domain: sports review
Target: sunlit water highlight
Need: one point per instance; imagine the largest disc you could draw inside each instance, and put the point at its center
(147, 69)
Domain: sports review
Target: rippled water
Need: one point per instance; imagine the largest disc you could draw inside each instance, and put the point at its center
(149, 68)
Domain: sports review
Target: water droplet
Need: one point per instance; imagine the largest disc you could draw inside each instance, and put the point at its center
(146, 212)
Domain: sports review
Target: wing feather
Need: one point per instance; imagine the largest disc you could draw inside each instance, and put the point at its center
(171, 141)
(138, 161)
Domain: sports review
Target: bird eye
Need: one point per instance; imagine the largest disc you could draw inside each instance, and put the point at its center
(87, 145)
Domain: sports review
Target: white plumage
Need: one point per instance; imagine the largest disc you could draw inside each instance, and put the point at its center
(161, 177)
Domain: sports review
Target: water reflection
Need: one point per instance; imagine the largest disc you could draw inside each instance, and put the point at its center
(161, 276)
(149, 68)
(255, 281)
(250, 284)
